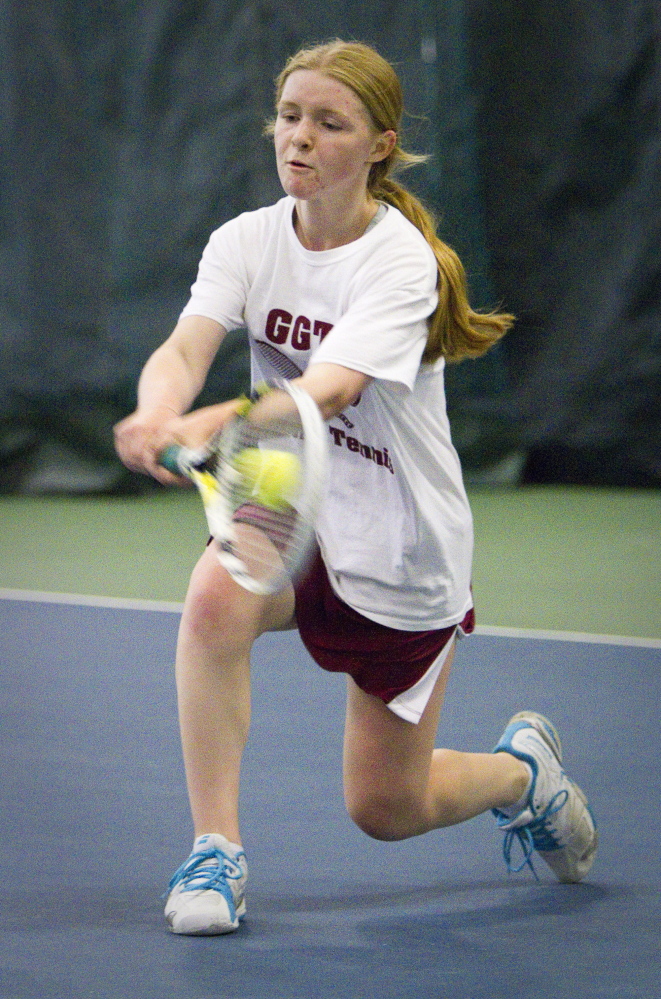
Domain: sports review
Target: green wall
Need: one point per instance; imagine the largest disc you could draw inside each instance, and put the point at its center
(577, 559)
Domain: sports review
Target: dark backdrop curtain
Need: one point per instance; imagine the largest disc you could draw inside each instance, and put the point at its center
(129, 130)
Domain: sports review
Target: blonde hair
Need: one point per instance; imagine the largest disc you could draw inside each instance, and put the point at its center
(456, 331)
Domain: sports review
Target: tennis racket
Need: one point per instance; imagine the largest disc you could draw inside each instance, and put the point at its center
(279, 362)
(261, 479)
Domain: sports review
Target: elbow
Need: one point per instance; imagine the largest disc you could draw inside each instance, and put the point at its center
(336, 403)
(333, 387)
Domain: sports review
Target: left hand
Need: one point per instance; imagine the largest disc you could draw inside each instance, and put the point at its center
(195, 429)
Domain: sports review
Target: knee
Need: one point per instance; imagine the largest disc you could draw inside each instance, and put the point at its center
(204, 609)
(216, 607)
(212, 607)
(381, 816)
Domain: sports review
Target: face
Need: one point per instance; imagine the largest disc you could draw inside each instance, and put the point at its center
(325, 142)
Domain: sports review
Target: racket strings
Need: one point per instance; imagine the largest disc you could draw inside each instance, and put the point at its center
(263, 538)
(278, 526)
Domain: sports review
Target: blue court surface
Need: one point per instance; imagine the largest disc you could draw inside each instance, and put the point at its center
(94, 819)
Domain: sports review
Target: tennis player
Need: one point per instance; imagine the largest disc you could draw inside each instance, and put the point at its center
(345, 279)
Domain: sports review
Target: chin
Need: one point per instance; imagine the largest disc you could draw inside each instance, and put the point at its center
(301, 192)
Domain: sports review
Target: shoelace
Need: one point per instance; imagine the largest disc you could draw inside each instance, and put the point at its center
(198, 875)
(536, 835)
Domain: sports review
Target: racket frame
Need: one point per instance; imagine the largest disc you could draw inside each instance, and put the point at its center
(211, 470)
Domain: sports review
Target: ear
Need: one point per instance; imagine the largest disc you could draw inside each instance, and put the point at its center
(384, 144)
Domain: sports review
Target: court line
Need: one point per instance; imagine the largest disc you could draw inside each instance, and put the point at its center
(567, 636)
(82, 600)
(171, 607)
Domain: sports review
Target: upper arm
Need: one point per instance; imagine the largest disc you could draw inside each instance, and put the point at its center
(191, 348)
(196, 340)
(176, 372)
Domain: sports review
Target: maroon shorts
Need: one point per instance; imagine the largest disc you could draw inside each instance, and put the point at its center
(382, 661)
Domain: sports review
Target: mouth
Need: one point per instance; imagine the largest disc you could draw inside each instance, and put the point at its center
(298, 165)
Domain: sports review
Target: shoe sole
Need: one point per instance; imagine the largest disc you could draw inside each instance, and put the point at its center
(580, 866)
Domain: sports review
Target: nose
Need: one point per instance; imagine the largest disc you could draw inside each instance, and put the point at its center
(302, 136)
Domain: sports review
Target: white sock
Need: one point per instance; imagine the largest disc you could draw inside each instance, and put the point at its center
(233, 847)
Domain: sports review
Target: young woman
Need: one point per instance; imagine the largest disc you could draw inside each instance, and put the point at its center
(346, 279)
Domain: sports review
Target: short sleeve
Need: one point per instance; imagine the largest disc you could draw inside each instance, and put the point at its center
(221, 287)
(383, 331)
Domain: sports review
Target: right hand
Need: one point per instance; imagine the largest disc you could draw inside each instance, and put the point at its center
(141, 437)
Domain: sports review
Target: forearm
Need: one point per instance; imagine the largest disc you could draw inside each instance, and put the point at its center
(170, 382)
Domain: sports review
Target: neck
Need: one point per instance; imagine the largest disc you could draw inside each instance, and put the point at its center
(319, 229)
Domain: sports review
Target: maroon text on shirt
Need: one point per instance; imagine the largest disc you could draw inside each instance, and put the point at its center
(282, 327)
(378, 455)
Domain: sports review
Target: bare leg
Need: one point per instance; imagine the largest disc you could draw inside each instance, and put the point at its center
(397, 785)
(218, 627)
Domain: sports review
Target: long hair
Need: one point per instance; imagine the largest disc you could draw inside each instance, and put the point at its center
(456, 331)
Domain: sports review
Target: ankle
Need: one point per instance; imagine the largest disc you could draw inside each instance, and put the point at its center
(233, 845)
(519, 786)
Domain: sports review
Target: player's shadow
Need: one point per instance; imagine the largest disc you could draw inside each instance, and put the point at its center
(460, 905)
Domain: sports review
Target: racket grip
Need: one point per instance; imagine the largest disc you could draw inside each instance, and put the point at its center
(169, 459)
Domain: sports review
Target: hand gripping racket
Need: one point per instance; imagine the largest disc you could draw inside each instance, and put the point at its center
(261, 479)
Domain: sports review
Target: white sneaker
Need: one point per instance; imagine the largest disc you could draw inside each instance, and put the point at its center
(557, 820)
(207, 892)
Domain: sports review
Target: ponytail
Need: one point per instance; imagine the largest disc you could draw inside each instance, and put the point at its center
(456, 331)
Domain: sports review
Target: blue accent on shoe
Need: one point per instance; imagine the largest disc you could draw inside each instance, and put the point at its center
(505, 743)
(207, 877)
(536, 835)
(592, 815)
(505, 746)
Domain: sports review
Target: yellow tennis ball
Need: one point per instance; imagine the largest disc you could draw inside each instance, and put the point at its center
(271, 476)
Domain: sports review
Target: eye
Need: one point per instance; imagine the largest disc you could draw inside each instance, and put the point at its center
(332, 126)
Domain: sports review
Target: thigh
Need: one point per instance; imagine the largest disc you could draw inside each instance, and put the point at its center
(383, 754)
(218, 604)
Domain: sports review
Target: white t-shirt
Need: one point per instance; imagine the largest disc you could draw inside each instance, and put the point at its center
(395, 529)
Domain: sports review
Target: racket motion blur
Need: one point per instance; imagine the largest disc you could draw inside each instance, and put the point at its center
(262, 480)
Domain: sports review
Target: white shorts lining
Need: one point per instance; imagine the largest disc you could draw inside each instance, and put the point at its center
(411, 703)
